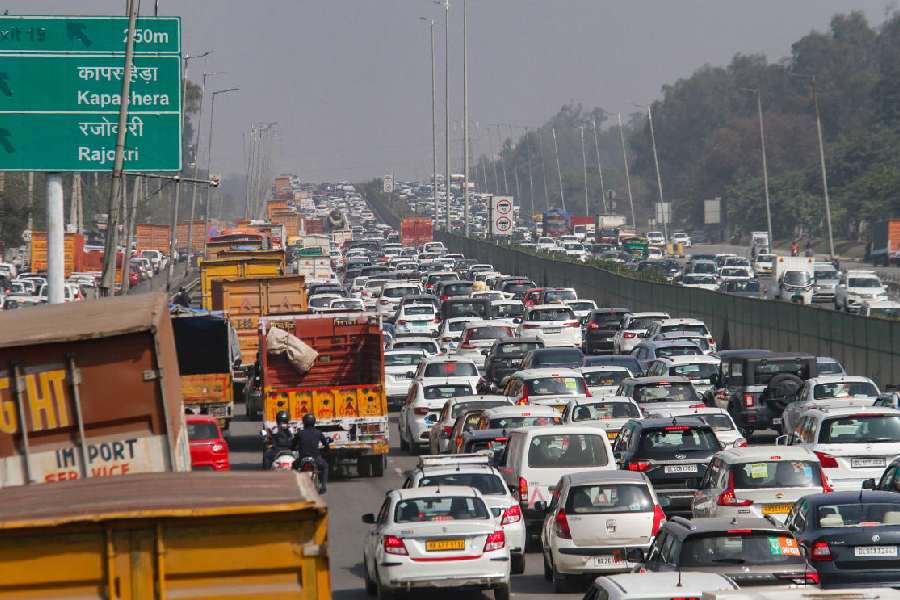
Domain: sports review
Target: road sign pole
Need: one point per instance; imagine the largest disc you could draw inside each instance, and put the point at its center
(111, 246)
(56, 260)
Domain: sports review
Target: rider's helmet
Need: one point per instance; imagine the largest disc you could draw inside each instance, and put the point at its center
(282, 419)
(309, 420)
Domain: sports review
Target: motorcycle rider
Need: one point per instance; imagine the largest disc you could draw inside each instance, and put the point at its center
(308, 440)
(278, 439)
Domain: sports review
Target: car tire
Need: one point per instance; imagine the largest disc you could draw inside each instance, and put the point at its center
(517, 563)
(380, 592)
(403, 445)
(548, 571)
(371, 586)
(560, 582)
(501, 592)
(414, 449)
(364, 466)
(377, 466)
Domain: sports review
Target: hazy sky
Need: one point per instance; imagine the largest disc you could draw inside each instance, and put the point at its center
(349, 80)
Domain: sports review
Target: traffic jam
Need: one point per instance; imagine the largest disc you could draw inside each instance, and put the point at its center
(624, 448)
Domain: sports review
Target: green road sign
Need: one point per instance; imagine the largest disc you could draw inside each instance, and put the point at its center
(87, 142)
(88, 34)
(68, 82)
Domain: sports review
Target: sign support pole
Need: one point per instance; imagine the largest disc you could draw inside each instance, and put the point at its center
(108, 282)
(56, 261)
(170, 269)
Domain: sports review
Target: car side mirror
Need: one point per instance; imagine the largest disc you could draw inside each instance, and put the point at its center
(540, 506)
(486, 351)
(368, 518)
(868, 484)
(517, 320)
(785, 440)
(635, 555)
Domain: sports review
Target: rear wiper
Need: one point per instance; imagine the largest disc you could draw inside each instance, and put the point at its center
(877, 440)
(731, 561)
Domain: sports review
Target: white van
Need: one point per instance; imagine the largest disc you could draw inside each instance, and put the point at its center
(537, 457)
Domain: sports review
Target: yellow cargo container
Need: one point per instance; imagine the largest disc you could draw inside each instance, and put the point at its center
(204, 536)
(235, 268)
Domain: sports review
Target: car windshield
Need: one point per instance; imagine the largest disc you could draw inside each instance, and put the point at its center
(451, 369)
(559, 295)
(751, 285)
(698, 279)
(551, 314)
(776, 474)
(686, 350)
(517, 348)
(826, 275)
(607, 378)
(463, 407)
(402, 360)
(567, 450)
(666, 392)
(437, 392)
(558, 357)
(614, 498)
(663, 443)
(523, 421)
(608, 320)
(486, 483)
(605, 410)
(767, 369)
(858, 514)
(555, 386)
(697, 371)
(418, 310)
(701, 267)
(796, 277)
(463, 309)
(863, 282)
(440, 508)
(845, 389)
(860, 429)
(488, 332)
(730, 548)
(718, 422)
(202, 431)
(321, 302)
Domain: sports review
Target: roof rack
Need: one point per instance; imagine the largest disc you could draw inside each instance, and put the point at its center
(451, 460)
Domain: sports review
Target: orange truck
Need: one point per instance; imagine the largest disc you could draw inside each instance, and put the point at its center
(152, 237)
(415, 231)
(886, 242)
(74, 252)
(198, 236)
(344, 388)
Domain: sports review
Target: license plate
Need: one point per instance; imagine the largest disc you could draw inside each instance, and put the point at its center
(776, 421)
(680, 469)
(612, 435)
(600, 562)
(875, 551)
(444, 545)
(865, 463)
(552, 330)
(418, 323)
(777, 509)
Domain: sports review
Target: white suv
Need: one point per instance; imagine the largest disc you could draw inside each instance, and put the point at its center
(856, 287)
(634, 326)
(829, 391)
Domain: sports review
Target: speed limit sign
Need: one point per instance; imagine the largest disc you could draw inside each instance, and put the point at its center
(502, 219)
(503, 225)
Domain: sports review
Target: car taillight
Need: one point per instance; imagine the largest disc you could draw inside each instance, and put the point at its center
(749, 401)
(628, 335)
(639, 465)
(401, 322)
(740, 443)
(523, 400)
(727, 497)
(658, 517)
(467, 346)
(808, 578)
(571, 324)
(685, 598)
(826, 485)
(712, 342)
(495, 541)
(523, 489)
(420, 410)
(530, 326)
(444, 297)
(820, 552)
(701, 405)
(826, 460)
(587, 393)
(593, 326)
(394, 545)
(561, 524)
(448, 429)
(511, 515)
(217, 447)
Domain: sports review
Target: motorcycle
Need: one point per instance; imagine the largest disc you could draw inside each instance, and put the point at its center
(307, 464)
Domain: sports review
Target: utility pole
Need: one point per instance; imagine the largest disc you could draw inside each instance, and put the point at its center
(107, 284)
(667, 215)
(530, 174)
(765, 167)
(543, 171)
(190, 233)
(252, 134)
(447, 114)
(515, 166)
(212, 115)
(433, 124)
(502, 161)
(599, 167)
(587, 209)
(815, 96)
(627, 175)
(129, 231)
(562, 193)
(466, 116)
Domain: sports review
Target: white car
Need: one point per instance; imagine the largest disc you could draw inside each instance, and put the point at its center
(695, 326)
(700, 281)
(656, 238)
(689, 585)
(679, 237)
(829, 391)
(417, 319)
(490, 295)
(699, 369)
(545, 386)
(477, 338)
(655, 252)
(634, 325)
(856, 287)
(592, 518)
(435, 537)
(393, 293)
(735, 274)
(717, 418)
(426, 344)
(475, 470)
(604, 380)
(555, 324)
(609, 413)
(575, 250)
(439, 435)
(546, 244)
(349, 304)
(508, 311)
(853, 444)
(581, 308)
(764, 264)
(444, 369)
(451, 330)
(758, 481)
(399, 370)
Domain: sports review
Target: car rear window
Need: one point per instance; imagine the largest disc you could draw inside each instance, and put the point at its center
(605, 410)
(666, 392)
(457, 289)
(553, 357)
(467, 406)
(860, 429)
(436, 392)
(426, 346)
(663, 443)
(607, 320)
(686, 350)
(643, 322)
(440, 508)
(418, 310)
(858, 514)
(517, 287)
(559, 296)
(700, 329)
(517, 348)
(718, 422)
(845, 389)
(505, 311)
(767, 369)
(695, 371)
(399, 292)
(555, 386)
(608, 499)
(486, 483)
(523, 421)
(551, 314)
(607, 378)
(738, 548)
(202, 431)
(565, 450)
(451, 369)
(464, 309)
(402, 360)
(488, 332)
(581, 305)
(776, 474)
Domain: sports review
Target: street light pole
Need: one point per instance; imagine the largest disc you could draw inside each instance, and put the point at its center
(433, 124)
(822, 163)
(599, 167)
(562, 193)
(666, 215)
(190, 229)
(587, 209)
(765, 167)
(530, 174)
(466, 116)
(447, 115)
(515, 166)
(627, 175)
(212, 116)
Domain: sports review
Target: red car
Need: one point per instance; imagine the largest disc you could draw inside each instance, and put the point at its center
(208, 448)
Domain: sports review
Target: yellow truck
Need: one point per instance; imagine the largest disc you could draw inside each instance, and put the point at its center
(235, 268)
(204, 536)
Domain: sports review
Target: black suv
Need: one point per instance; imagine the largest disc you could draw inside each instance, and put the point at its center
(599, 328)
(505, 358)
(754, 386)
(751, 551)
(561, 357)
(673, 452)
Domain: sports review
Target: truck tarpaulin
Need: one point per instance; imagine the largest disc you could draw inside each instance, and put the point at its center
(97, 383)
(152, 237)
(415, 231)
(73, 248)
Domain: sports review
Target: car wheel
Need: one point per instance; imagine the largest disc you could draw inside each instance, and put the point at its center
(501, 592)
(517, 563)
(414, 449)
(548, 572)
(560, 582)
(371, 586)
(403, 445)
(377, 466)
(380, 591)
(364, 466)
